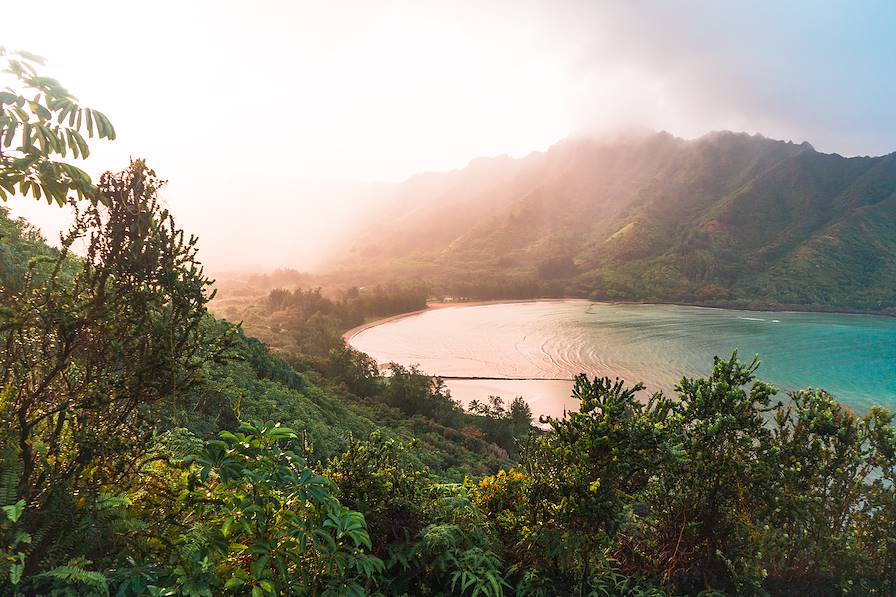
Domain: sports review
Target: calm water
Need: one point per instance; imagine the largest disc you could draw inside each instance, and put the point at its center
(851, 356)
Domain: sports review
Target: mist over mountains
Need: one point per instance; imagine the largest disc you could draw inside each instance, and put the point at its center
(727, 218)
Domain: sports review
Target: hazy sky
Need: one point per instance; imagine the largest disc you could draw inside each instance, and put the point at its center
(254, 109)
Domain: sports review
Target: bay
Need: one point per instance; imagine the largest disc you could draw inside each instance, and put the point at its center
(534, 349)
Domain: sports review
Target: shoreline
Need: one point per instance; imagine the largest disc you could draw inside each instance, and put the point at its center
(350, 334)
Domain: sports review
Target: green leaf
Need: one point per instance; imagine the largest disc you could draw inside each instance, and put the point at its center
(282, 433)
(32, 57)
(258, 566)
(11, 127)
(41, 111)
(14, 512)
(228, 436)
(73, 143)
(15, 573)
(82, 144)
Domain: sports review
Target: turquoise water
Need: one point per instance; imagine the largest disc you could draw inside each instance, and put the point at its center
(851, 356)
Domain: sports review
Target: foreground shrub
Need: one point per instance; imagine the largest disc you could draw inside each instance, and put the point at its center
(721, 487)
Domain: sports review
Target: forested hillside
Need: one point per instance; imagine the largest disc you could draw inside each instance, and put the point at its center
(117, 385)
(148, 449)
(724, 219)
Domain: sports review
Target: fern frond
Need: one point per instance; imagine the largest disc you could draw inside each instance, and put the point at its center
(10, 472)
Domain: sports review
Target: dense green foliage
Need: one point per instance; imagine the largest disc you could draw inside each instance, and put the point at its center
(89, 357)
(719, 488)
(309, 322)
(318, 385)
(726, 219)
(129, 467)
(117, 384)
(20, 244)
(148, 449)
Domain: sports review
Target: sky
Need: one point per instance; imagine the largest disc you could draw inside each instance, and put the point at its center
(272, 120)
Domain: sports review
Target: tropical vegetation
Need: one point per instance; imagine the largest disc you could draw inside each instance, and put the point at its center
(149, 449)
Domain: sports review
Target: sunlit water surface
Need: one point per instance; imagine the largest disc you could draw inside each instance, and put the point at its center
(549, 342)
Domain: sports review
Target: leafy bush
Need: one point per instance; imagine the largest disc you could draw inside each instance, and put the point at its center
(720, 488)
(89, 360)
(268, 525)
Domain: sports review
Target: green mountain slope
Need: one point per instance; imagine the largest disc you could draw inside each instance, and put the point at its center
(727, 218)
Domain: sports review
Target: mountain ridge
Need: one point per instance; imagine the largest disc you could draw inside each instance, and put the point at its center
(727, 218)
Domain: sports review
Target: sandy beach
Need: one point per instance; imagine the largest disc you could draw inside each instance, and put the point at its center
(347, 336)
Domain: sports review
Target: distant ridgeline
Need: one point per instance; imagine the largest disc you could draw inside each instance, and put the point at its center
(726, 219)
